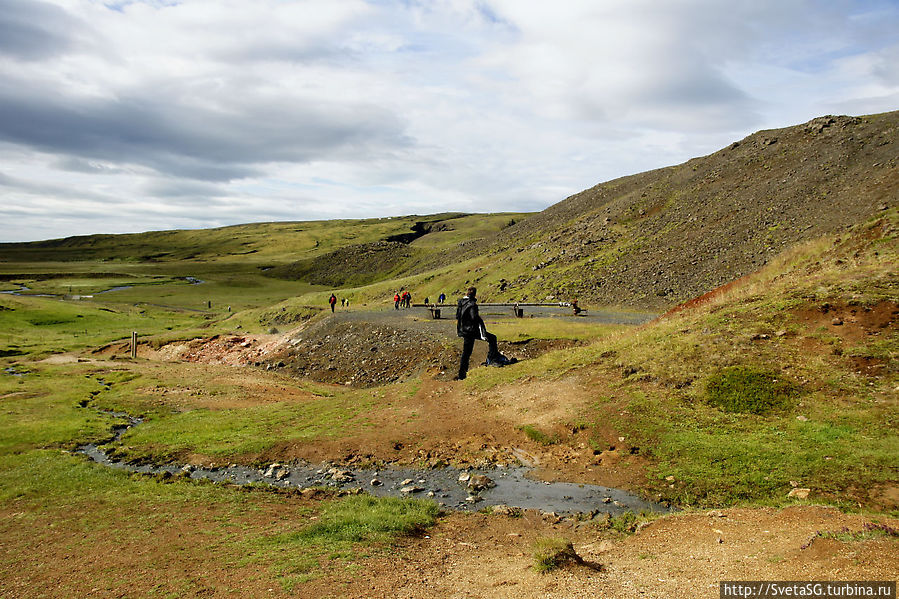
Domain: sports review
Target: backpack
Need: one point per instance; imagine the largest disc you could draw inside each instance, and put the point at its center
(499, 361)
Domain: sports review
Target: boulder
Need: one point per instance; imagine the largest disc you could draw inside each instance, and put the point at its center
(479, 482)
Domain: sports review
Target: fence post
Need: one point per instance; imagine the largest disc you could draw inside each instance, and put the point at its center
(133, 344)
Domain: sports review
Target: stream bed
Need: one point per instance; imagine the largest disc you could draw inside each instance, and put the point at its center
(470, 489)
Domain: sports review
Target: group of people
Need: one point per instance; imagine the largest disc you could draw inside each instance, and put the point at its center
(332, 301)
(402, 299)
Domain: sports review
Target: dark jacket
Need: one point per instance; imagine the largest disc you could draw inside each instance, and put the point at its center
(468, 321)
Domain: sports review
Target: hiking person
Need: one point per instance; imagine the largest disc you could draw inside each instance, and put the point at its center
(408, 300)
(442, 298)
(396, 301)
(470, 327)
(333, 301)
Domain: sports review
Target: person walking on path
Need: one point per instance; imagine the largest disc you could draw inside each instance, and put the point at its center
(442, 298)
(396, 301)
(470, 327)
(333, 301)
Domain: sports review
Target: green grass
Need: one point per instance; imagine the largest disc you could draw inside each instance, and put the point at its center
(41, 325)
(342, 527)
(538, 436)
(237, 432)
(749, 390)
(38, 412)
(46, 486)
(572, 328)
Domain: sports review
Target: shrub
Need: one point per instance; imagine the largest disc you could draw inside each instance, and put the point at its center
(551, 553)
(750, 390)
(535, 434)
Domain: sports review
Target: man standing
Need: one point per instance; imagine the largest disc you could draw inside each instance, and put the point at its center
(333, 301)
(470, 327)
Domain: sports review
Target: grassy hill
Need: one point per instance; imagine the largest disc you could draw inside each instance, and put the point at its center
(649, 240)
(661, 237)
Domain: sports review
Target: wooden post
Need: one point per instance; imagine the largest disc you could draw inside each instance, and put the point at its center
(133, 344)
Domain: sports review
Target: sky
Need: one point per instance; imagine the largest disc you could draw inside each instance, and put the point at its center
(125, 116)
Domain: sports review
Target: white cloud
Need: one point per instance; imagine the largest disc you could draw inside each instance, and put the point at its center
(141, 115)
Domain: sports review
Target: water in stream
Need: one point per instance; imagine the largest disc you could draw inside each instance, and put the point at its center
(450, 487)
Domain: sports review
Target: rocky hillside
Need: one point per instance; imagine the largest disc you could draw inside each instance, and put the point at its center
(661, 237)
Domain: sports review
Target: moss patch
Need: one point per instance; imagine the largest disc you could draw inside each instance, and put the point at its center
(750, 390)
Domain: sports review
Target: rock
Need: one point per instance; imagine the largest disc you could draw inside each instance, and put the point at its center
(343, 476)
(552, 517)
(607, 500)
(837, 322)
(794, 484)
(670, 478)
(270, 472)
(479, 482)
(799, 493)
(282, 474)
(802, 418)
(407, 482)
(505, 510)
(408, 490)
(376, 482)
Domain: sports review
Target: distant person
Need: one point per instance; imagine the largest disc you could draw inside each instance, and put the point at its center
(396, 301)
(442, 298)
(470, 327)
(333, 301)
(575, 308)
(408, 300)
(427, 300)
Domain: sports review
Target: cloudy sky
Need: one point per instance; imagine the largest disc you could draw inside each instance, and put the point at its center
(128, 115)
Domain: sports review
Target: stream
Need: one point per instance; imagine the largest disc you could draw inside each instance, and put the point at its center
(470, 489)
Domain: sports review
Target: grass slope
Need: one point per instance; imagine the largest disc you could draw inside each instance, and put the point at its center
(808, 347)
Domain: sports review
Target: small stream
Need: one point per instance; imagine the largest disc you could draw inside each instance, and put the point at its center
(23, 290)
(452, 488)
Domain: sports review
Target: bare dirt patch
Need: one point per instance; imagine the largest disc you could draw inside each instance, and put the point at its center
(686, 555)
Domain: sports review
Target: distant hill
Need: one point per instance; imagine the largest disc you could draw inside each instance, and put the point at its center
(650, 240)
(267, 244)
(664, 236)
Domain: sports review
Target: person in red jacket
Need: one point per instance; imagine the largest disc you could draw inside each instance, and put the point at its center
(396, 301)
